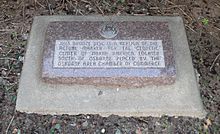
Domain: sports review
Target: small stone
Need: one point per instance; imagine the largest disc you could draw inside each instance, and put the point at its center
(138, 131)
(73, 124)
(85, 124)
(100, 93)
(61, 12)
(3, 72)
(6, 62)
(88, 7)
(21, 58)
(24, 36)
(157, 123)
(3, 81)
(1, 47)
(118, 131)
(15, 131)
(103, 131)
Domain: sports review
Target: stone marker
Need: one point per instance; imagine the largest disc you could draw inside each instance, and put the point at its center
(130, 53)
(129, 66)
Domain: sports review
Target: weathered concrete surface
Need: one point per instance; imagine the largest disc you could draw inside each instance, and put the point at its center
(180, 99)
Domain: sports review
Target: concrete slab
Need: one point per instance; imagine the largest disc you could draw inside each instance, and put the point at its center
(179, 99)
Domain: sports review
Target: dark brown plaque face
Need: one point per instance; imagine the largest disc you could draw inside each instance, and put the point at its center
(129, 53)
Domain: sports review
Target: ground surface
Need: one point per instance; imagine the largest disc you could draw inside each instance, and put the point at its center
(202, 21)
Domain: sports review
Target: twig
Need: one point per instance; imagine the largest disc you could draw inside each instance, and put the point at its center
(5, 20)
(106, 3)
(8, 77)
(49, 7)
(11, 87)
(131, 4)
(6, 30)
(85, 1)
(185, 13)
(190, 28)
(63, 4)
(180, 9)
(7, 58)
(76, 7)
(23, 10)
(217, 5)
(139, 14)
(210, 33)
(154, 8)
(80, 12)
(216, 28)
(170, 2)
(175, 6)
(143, 120)
(9, 124)
(213, 63)
(39, 4)
(70, 3)
(99, 8)
(8, 51)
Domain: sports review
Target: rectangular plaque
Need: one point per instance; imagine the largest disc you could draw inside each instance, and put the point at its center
(113, 53)
(108, 54)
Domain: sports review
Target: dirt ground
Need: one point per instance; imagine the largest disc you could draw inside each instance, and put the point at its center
(202, 23)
